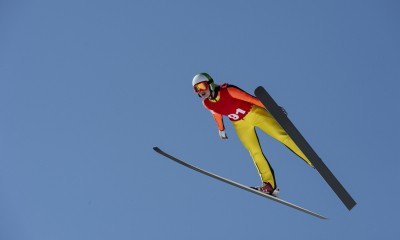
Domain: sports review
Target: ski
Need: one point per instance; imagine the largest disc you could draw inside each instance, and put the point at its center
(233, 183)
(300, 141)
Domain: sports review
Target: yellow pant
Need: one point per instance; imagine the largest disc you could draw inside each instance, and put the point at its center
(245, 128)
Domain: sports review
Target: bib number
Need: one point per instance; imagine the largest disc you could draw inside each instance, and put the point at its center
(235, 116)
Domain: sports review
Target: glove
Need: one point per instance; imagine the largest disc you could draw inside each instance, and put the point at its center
(222, 134)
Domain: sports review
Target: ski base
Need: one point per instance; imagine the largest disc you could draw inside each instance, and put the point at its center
(300, 141)
(233, 183)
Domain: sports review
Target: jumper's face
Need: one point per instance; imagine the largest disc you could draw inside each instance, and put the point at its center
(204, 93)
(202, 89)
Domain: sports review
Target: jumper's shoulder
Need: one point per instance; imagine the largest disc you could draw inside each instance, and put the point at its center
(225, 85)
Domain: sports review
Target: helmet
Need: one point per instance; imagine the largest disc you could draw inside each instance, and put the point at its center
(204, 77)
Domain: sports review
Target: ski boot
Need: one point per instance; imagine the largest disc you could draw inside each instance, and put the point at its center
(267, 188)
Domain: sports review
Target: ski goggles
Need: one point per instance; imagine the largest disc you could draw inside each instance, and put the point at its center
(202, 86)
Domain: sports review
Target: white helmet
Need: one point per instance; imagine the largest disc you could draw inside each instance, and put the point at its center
(204, 77)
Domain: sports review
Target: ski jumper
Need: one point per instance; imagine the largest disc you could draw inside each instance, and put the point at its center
(247, 112)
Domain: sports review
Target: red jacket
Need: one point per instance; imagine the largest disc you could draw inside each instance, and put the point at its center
(232, 102)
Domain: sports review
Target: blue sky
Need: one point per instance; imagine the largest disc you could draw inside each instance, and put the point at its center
(87, 88)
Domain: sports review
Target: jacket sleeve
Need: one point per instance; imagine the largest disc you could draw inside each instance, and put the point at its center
(242, 95)
(219, 120)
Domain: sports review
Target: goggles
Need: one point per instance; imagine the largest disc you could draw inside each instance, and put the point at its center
(202, 86)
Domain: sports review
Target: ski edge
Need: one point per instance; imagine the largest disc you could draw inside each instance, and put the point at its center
(233, 183)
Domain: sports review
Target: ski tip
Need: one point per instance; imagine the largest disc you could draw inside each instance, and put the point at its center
(259, 89)
(156, 148)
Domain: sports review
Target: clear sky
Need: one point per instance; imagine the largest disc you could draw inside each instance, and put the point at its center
(87, 88)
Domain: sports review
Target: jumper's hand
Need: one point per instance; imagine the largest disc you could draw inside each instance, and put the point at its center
(222, 134)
